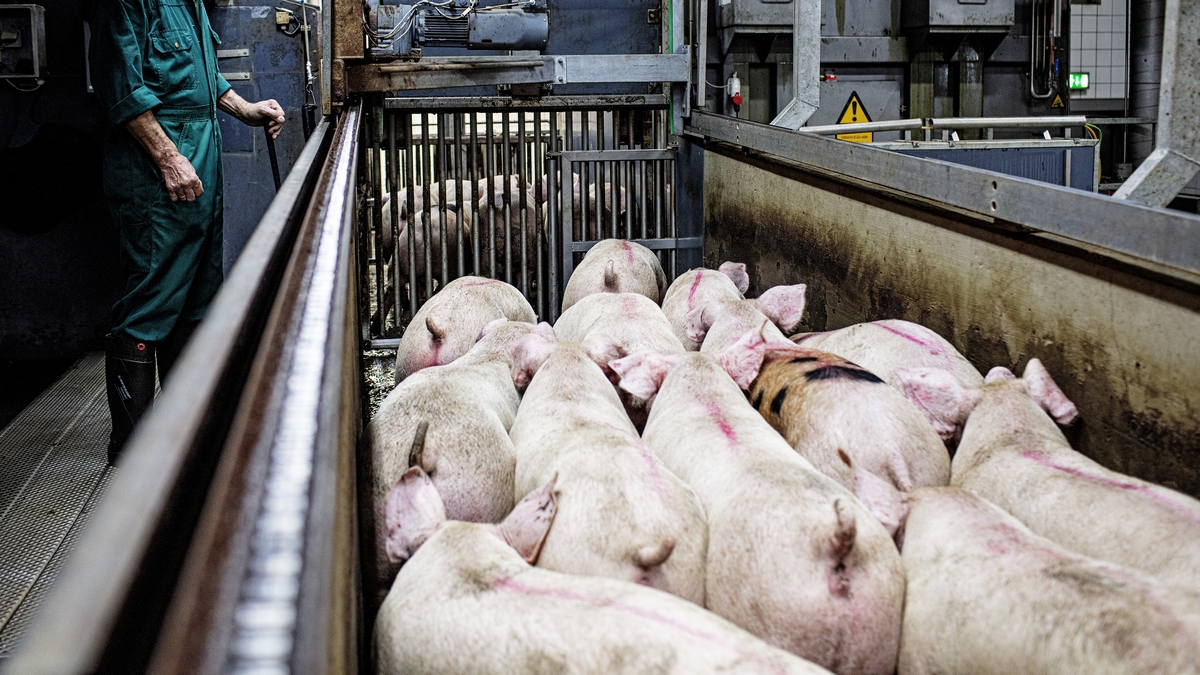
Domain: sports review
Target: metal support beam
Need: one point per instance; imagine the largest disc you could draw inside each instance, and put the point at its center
(1176, 157)
(1170, 238)
(806, 66)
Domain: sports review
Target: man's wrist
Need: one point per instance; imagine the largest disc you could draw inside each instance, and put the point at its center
(163, 155)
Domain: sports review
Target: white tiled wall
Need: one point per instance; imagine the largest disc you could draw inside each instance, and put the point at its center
(1098, 48)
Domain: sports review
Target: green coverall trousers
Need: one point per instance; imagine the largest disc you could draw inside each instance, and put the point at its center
(172, 250)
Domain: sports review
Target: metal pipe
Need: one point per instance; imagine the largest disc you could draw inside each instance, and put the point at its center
(888, 125)
(394, 200)
(376, 131)
(1146, 24)
(1036, 17)
(426, 206)
(1006, 122)
(410, 184)
(476, 234)
(507, 210)
(443, 226)
(522, 199)
(553, 181)
(538, 212)
(489, 191)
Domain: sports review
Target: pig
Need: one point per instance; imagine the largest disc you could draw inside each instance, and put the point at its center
(448, 324)
(616, 266)
(716, 325)
(468, 601)
(453, 422)
(698, 287)
(988, 596)
(621, 513)
(883, 347)
(845, 420)
(1013, 454)
(495, 230)
(793, 557)
(630, 320)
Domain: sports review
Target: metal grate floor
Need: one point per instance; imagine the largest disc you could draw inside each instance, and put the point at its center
(53, 469)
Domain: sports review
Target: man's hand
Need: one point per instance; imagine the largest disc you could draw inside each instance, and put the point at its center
(177, 172)
(264, 113)
(180, 178)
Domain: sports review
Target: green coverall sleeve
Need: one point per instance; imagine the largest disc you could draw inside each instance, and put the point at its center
(222, 86)
(119, 37)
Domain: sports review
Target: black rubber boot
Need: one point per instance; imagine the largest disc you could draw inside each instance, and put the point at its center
(169, 349)
(129, 377)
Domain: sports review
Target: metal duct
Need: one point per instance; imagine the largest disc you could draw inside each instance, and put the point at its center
(1145, 72)
(1176, 156)
(806, 66)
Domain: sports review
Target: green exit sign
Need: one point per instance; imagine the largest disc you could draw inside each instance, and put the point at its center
(1079, 80)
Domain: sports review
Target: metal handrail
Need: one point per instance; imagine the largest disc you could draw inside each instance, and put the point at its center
(104, 612)
(1005, 122)
(911, 124)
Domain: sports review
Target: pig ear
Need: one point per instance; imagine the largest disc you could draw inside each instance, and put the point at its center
(784, 305)
(743, 359)
(880, 497)
(491, 326)
(529, 353)
(525, 529)
(414, 512)
(697, 322)
(736, 272)
(1041, 388)
(643, 373)
(604, 351)
(546, 331)
(998, 373)
(940, 397)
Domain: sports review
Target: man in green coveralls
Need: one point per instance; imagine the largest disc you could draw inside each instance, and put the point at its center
(154, 68)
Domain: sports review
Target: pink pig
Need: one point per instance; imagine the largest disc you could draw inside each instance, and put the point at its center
(616, 266)
(696, 288)
(793, 557)
(1013, 454)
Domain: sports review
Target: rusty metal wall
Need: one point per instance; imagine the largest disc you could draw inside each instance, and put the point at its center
(1121, 337)
(505, 200)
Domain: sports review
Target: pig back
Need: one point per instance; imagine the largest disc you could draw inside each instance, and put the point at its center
(692, 290)
(772, 565)
(882, 347)
(1013, 455)
(825, 406)
(449, 323)
(616, 266)
(466, 603)
(986, 595)
(631, 320)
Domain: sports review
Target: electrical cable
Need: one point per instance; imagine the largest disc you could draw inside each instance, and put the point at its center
(22, 89)
(718, 86)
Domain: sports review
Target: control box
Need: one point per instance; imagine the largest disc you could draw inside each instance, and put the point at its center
(22, 42)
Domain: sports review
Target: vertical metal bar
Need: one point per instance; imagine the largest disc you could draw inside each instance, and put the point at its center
(539, 213)
(426, 206)
(626, 192)
(489, 190)
(553, 178)
(476, 233)
(522, 199)
(674, 254)
(443, 225)
(507, 209)
(393, 166)
(411, 186)
(376, 131)
(460, 229)
(585, 181)
(568, 257)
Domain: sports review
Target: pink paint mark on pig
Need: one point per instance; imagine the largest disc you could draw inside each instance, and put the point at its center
(718, 417)
(628, 251)
(660, 486)
(692, 292)
(513, 586)
(1113, 483)
(483, 283)
(933, 347)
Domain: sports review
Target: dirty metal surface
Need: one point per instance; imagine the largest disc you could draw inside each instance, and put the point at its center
(55, 466)
(1123, 346)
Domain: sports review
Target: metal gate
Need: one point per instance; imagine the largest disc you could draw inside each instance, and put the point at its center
(517, 194)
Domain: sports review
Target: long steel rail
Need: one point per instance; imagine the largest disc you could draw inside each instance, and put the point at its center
(219, 545)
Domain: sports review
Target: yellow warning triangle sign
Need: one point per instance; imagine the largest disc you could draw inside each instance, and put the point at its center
(1058, 102)
(855, 113)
